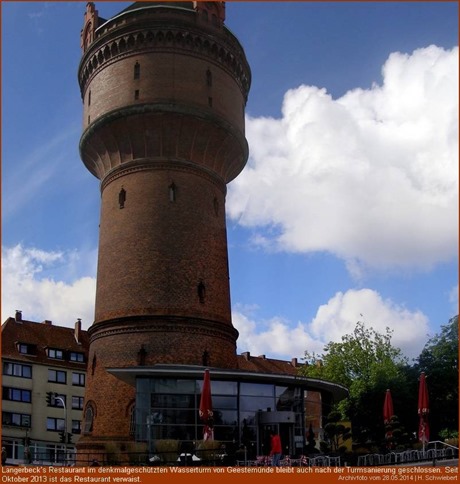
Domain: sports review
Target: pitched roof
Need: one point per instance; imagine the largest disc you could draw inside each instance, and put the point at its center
(42, 336)
(261, 364)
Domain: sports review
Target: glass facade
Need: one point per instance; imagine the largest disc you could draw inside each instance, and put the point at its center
(167, 408)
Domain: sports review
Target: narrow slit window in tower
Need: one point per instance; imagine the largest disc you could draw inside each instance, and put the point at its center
(89, 98)
(208, 78)
(210, 102)
(122, 198)
(172, 192)
(201, 292)
(137, 70)
(93, 365)
(141, 354)
(136, 94)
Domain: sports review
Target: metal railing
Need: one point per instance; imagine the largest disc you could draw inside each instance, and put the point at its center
(447, 451)
(58, 456)
(300, 461)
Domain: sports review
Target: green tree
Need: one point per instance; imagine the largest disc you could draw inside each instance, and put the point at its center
(439, 360)
(367, 364)
(362, 358)
(335, 433)
(397, 437)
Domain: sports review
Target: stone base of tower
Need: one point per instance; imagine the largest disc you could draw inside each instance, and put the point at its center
(133, 345)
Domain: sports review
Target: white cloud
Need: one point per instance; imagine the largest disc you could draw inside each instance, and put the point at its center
(340, 314)
(274, 338)
(25, 287)
(278, 338)
(371, 177)
(453, 299)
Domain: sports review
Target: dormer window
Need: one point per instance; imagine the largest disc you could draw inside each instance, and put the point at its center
(26, 348)
(23, 348)
(55, 354)
(77, 357)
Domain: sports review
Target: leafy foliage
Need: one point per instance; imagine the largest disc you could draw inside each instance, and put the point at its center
(396, 435)
(335, 433)
(367, 364)
(439, 360)
(363, 358)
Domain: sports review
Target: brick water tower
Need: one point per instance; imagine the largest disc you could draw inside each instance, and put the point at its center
(164, 87)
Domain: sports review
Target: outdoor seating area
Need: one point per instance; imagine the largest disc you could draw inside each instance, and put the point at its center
(439, 451)
(436, 450)
(301, 461)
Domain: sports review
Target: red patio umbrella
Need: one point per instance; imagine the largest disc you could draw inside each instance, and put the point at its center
(387, 414)
(206, 413)
(423, 411)
(387, 407)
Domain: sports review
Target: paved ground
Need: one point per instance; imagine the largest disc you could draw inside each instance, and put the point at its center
(437, 463)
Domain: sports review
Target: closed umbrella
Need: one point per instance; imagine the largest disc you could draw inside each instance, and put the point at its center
(423, 411)
(387, 414)
(206, 413)
(387, 407)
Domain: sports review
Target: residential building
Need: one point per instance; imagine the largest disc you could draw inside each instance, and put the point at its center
(43, 382)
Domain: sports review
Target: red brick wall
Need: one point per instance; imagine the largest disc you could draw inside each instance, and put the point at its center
(178, 78)
(154, 252)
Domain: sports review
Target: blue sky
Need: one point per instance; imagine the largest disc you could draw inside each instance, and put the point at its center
(347, 210)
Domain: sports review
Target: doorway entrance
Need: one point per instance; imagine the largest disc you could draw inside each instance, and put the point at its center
(281, 423)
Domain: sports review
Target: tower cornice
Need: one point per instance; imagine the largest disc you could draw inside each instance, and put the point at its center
(162, 324)
(152, 36)
(200, 124)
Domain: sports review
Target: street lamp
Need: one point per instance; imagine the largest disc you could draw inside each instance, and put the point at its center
(57, 397)
(51, 397)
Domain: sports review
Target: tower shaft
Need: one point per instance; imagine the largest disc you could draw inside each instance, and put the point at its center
(164, 87)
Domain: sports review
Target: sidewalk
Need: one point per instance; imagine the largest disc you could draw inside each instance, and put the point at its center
(436, 463)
